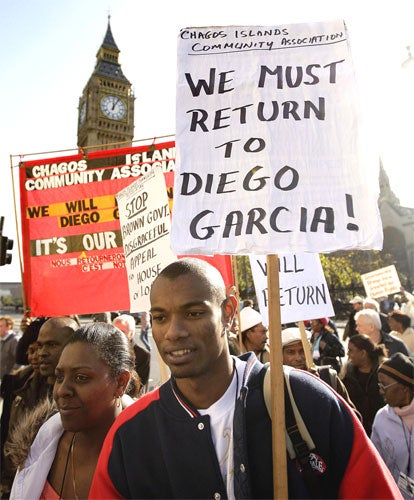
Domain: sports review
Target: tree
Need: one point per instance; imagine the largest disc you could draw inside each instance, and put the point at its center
(245, 283)
(343, 270)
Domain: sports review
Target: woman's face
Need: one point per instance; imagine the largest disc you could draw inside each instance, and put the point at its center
(394, 393)
(395, 325)
(32, 356)
(84, 390)
(316, 325)
(355, 355)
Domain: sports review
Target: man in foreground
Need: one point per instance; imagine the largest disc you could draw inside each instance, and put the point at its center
(206, 432)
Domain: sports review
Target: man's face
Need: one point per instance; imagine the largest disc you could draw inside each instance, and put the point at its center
(363, 327)
(32, 356)
(51, 341)
(256, 338)
(358, 306)
(187, 326)
(4, 329)
(294, 355)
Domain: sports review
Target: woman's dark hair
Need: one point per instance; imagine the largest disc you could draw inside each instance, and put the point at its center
(401, 317)
(364, 343)
(113, 348)
(248, 303)
(29, 337)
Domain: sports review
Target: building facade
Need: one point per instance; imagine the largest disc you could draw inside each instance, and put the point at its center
(398, 226)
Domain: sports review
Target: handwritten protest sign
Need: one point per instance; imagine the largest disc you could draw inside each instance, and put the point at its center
(280, 158)
(304, 293)
(70, 226)
(381, 282)
(71, 232)
(145, 226)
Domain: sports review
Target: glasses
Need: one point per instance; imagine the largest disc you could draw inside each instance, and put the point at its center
(385, 387)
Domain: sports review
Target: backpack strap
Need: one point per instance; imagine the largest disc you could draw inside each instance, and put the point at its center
(328, 375)
(298, 439)
(294, 421)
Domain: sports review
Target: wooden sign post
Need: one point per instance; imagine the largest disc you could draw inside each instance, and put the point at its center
(277, 392)
(306, 345)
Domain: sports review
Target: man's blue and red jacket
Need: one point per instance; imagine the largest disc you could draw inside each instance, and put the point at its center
(160, 447)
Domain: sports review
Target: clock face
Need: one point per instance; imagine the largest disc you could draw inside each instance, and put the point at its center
(113, 107)
(82, 112)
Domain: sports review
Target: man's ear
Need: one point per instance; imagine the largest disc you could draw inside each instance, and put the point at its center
(229, 308)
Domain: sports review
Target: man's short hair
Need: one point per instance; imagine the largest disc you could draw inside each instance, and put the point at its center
(8, 319)
(371, 317)
(199, 268)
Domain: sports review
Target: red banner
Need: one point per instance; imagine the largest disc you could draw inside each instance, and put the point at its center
(72, 245)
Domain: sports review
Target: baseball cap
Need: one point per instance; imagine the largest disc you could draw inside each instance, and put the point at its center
(356, 299)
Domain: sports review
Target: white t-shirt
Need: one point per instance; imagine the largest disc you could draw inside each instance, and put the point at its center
(221, 422)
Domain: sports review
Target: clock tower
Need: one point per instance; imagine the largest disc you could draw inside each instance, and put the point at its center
(106, 107)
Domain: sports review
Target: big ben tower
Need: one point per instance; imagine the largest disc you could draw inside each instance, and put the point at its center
(106, 107)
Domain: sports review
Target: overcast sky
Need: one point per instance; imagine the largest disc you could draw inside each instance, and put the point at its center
(49, 51)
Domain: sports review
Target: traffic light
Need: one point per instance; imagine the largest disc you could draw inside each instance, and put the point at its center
(5, 246)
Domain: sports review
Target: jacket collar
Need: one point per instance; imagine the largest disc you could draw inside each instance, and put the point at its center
(178, 402)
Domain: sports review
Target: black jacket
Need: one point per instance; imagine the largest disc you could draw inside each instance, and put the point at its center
(393, 344)
(161, 447)
(367, 399)
(332, 350)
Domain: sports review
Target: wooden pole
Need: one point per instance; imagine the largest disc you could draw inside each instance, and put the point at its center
(236, 283)
(306, 345)
(280, 489)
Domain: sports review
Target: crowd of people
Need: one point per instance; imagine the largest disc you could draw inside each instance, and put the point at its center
(78, 420)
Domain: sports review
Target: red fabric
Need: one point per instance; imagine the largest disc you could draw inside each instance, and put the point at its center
(72, 263)
(364, 456)
(102, 487)
(220, 262)
(49, 493)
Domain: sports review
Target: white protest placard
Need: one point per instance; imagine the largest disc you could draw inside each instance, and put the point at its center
(145, 227)
(271, 148)
(381, 282)
(304, 293)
